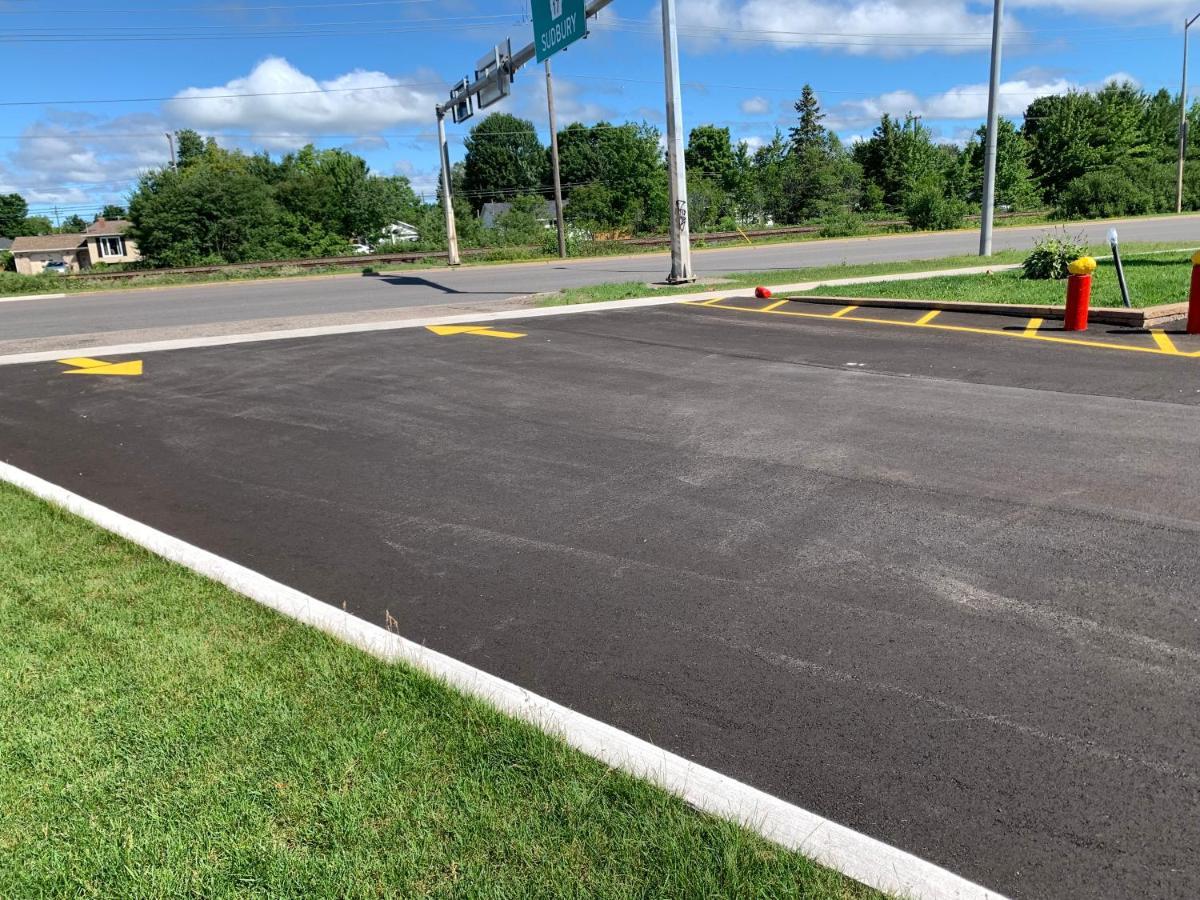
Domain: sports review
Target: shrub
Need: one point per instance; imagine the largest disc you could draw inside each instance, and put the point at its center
(6, 262)
(1052, 253)
(929, 209)
(843, 224)
(1104, 194)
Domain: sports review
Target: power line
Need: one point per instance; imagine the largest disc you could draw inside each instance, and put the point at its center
(210, 10)
(371, 87)
(151, 30)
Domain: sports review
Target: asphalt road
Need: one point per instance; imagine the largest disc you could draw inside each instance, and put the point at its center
(938, 586)
(185, 307)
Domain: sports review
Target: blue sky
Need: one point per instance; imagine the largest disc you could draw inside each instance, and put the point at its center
(180, 63)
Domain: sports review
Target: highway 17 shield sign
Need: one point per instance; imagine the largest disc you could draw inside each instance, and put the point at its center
(557, 24)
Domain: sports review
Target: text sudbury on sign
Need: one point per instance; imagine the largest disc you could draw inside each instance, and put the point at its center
(559, 32)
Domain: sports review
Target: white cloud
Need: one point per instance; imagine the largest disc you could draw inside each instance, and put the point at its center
(293, 106)
(72, 158)
(570, 103)
(890, 28)
(966, 101)
(756, 106)
(753, 142)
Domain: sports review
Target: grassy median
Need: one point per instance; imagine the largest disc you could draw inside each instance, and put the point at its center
(1157, 274)
(1152, 279)
(161, 736)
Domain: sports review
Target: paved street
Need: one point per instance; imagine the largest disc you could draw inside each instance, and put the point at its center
(217, 308)
(935, 583)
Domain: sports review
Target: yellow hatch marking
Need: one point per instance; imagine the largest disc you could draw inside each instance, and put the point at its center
(928, 317)
(1031, 329)
(775, 305)
(965, 329)
(1165, 344)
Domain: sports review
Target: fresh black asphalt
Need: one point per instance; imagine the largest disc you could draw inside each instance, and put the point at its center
(946, 596)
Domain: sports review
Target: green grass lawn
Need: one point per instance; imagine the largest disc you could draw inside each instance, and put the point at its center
(161, 736)
(627, 290)
(1154, 279)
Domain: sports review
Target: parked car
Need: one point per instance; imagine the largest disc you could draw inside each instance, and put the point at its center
(58, 267)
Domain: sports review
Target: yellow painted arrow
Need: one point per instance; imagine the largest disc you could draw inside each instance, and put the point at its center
(473, 329)
(82, 365)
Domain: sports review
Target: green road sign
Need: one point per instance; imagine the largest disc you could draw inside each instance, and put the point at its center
(557, 24)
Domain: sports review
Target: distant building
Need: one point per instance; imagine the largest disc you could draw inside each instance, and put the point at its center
(102, 242)
(5, 244)
(399, 233)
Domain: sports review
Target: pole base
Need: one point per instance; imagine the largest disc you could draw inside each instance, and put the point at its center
(681, 279)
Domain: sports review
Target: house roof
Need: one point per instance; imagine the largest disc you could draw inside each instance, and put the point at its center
(43, 243)
(102, 227)
(5, 243)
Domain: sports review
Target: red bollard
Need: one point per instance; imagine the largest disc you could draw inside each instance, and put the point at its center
(1193, 322)
(1079, 293)
(762, 293)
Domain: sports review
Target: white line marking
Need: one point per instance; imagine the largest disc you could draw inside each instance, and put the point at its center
(872, 862)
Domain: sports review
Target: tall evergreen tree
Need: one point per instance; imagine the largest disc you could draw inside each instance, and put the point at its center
(808, 133)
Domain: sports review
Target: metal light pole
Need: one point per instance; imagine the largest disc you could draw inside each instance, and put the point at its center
(989, 155)
(558, 201)
(452, 257)
(681, 246)
(1183, 126)
(171, 143)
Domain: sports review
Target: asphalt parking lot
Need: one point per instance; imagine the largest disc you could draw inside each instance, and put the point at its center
(935, 580)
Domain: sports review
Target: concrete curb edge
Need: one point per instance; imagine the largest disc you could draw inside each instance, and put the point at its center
(856, 855)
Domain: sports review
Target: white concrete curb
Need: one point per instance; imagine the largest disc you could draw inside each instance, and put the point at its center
(863, 858)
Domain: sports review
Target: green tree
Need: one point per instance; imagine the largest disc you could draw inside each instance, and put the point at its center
(189, 147)
(770, 161)
(504, 158)
(615, 177)
(1061, 133)
(899, 156)
(742, 192)
(72, 225)
(808, 133)
(524, 223)
(710, 154)
(1015, 187)
(34, 225)
(112, 212)
(13, 210)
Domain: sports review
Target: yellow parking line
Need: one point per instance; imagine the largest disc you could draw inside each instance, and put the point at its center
(958, 328)
(1031, 330)
(928, 317)
(775, 305)
(1165, 344)
(842, 312)
(712, 301)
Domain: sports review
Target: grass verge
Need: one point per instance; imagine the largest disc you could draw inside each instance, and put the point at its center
(13, 285)
(628, 290)
(162, 736)
(1152, 279)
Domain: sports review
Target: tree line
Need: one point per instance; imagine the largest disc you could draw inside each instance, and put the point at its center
(1107, 152)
